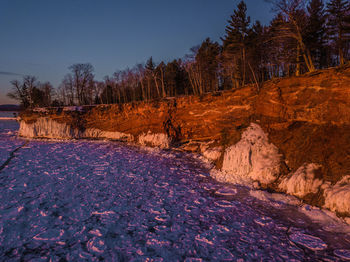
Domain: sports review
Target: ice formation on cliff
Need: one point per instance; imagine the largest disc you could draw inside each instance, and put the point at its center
(47, 128)
(302, 182)
(210, 153)
(159, 140)
(97, 133)
(253, 157)
(337, 197)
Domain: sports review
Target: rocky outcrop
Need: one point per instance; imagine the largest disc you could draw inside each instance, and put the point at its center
(292, 136)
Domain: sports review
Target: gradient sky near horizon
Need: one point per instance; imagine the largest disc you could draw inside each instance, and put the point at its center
(44, 37)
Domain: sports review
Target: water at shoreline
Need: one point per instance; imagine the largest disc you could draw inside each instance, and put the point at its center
(91, 200)
(9, 114)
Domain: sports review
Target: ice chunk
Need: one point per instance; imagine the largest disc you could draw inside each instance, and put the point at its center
(50, 235)
(308, 241)
(226, 191)
(264, 221)
(96, 245)
(343, 254)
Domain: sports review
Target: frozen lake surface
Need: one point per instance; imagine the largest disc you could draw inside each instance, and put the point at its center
(95, 200)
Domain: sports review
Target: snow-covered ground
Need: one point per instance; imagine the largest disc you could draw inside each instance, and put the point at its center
(93, 200)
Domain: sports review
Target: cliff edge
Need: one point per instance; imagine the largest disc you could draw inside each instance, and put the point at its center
(292, 136)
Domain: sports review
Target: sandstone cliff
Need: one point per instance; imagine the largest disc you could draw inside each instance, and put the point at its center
(292, 136)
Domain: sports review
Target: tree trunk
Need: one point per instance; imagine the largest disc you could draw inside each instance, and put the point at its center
(162, 81)
(297, 71)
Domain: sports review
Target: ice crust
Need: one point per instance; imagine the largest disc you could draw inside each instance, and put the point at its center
(253, 157)
(302, 182)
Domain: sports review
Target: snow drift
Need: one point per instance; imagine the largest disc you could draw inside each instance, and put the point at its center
(253, 157)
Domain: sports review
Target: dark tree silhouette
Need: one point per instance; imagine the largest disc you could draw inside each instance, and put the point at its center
(235, 45)
(338, 14)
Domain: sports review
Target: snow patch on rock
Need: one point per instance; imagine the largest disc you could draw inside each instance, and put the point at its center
(302, 182)
(158, 140)
(253, 157)
(45, 127)
(337, 197)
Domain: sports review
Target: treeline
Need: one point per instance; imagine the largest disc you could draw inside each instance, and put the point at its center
(302, 37)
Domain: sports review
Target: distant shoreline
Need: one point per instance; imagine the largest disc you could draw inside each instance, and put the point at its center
(8, 118)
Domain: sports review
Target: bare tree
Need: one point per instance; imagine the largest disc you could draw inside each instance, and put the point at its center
(292, 25)
(47, 93)
(82, 78)
(31, 93)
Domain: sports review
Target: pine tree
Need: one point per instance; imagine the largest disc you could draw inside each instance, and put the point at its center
(150, 76)
(235, 44)
(207, 59)
(150, 64)
(338, 23)
(256, 51)
(315, 33)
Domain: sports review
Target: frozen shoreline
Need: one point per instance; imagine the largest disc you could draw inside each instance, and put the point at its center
(74, 198)
(253, 161)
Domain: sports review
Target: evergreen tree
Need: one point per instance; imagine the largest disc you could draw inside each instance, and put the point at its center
(315, 33)
(339, 27)
(235, 44)
(150, 64)
(256, 51)
(150, 77)
(207, 59)
(171, 75)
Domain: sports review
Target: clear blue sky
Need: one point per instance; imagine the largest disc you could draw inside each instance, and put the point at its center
(44, 37)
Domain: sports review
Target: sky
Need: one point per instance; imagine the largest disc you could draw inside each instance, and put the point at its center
(44, 37)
